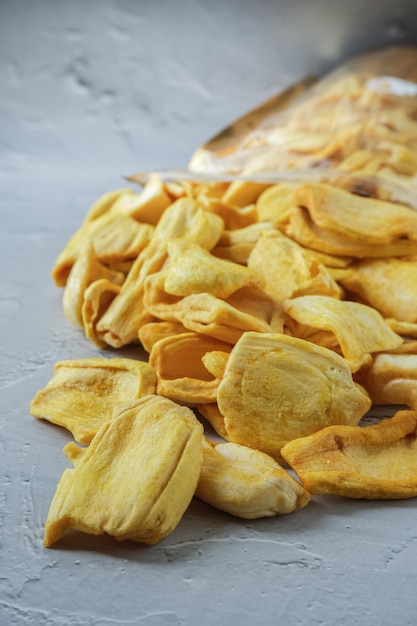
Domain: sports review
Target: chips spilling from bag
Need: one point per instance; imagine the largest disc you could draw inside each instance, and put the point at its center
(277, 308)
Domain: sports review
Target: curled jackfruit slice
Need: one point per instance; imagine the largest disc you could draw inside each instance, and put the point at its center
(307, 233)
(232, 215)
(359, 219)
(148, 205)
(288, 269)
(82, 393)
(372, 462)
(117, 240)
(192, 269)
(184, 218)
(215, 361)
(247, 483)
(236, 245)
(392, 379)
(85, 270)
(137, 477)
(275, 203)
(389, 285)
(359, 329)
(152, 332)
(210, 412)
(180, 370)
(205, 314)
(243, 192)
(97, 298)
(276, 388)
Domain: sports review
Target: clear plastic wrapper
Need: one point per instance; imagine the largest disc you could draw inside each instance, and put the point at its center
(355, 128)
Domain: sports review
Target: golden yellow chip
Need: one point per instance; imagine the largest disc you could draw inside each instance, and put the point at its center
(152, 332)
(180, 370)
(389, 285)
(97, 298)
(215, 362)
(117, 240)
(392, 379)
(83, 393)
(236, 245)
(274, 205)
(247, 483)
(359, 329)
(336, 221)
(86, 270)
(288, 270)
(210, 412)
(191, 269)
(358, 219)
(137, 477)
(276, 388)
(242, 192)
(373, 462)
(148, 205)
(184, 218)
(233, 216)
(205, 314)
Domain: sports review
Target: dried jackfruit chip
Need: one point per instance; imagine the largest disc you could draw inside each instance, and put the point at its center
(372, 462)
(274, 205)
(205, 314)
(359, 219)
(210, 412)
(247, 483)
(215, 362)
(117, 240)
(407, 329)
(152, 332)
(97, 298)
(288, 270)
(136, 478)
(276, 388)
(392, 379)
(236, 245)
(192, 269)
(180, 370)
(257, 303)
(307, 233)
(148, 205)
(359, 329)
(242, 192)
(86, 270)
(82, 393)
(389, 285)
(184, 218)
(232, 215)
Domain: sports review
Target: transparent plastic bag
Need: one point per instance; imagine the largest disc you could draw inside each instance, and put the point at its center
(356, 128)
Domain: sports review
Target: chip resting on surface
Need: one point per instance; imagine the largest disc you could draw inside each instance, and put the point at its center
(82, 393)
(276, 388)
(247, 483)
(371, 462)
(137, 477)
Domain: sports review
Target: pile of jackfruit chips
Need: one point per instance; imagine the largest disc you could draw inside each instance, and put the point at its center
(281, 347)
(275, 313)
